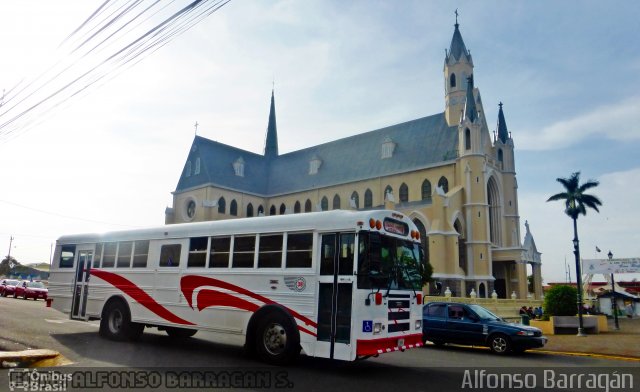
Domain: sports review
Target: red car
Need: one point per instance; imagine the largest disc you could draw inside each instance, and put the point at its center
(33, 290)
(8, 287)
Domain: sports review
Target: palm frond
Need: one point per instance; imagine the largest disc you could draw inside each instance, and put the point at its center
(559, 196)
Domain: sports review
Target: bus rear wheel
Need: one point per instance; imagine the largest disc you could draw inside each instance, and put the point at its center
(277, 339)
(116, 324)
(180, 333)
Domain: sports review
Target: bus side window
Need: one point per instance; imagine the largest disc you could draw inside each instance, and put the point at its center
(197, 252)
(109, 257)
(219, 253)
(299, 249)
(98, 256)
(170, 255)
(140, 254)
(67, 252)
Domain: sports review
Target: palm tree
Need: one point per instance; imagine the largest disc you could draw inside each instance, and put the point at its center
(576, 202)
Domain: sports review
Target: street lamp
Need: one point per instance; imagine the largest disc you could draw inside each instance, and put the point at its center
(576, 252)
(613, 296)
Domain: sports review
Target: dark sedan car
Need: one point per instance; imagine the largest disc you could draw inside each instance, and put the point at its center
(8, 287)
(33, 290)
(447, 322)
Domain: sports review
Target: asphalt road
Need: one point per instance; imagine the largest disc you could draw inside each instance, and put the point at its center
(29, 324)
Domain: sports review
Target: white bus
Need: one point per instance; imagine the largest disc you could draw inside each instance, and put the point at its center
(339, 284)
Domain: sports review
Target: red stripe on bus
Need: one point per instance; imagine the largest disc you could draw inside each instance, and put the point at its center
(189, 283)
(307, 331)
(208, 298)
(135, 292)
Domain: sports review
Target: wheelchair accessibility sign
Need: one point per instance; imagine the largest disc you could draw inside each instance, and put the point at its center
(367, 325)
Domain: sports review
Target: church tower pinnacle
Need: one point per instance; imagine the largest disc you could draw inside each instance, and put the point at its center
(458, 66)
(271, 144)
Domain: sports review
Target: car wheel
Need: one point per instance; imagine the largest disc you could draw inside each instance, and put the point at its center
(500, 344)
(116, 324)
(277, 339)
(180, 333)
(24, 296)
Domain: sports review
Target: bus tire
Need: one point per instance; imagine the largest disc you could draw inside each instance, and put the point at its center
(180, 333)
(116, 324)
(277, 340)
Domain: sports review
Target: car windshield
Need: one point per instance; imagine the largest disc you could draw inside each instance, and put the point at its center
(36, 285)
(13, 282)
(483, 313)
(386, 262)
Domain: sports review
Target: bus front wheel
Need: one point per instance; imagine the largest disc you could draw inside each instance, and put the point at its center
(116, 324)
(277, 339)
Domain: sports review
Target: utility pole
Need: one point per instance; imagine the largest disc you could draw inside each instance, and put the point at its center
(9, 254)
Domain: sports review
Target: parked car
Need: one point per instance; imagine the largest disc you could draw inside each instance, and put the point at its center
(8, 287)
(471, 324)
(33, 290)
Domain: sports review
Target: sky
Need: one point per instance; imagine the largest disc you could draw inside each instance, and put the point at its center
(567, 73)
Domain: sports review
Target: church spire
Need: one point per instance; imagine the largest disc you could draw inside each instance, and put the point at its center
(503, 134)
(470, 109)
(457, 49)
(271, 145)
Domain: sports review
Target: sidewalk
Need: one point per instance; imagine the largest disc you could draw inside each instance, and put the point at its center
(624, 342)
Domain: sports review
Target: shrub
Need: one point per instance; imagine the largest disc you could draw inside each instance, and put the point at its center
(561, 301)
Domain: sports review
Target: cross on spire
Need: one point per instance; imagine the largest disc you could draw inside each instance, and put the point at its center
(196, 127)
(456, 16)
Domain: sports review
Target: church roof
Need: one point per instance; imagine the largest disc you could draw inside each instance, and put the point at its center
(419, 143)
(503, 134)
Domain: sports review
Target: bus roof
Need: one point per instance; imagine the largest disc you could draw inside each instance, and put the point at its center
(327, 220)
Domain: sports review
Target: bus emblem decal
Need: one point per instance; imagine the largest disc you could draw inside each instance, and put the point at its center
(295, 283)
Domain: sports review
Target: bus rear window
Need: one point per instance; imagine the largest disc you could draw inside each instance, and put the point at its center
(170, 255)
(67, 252)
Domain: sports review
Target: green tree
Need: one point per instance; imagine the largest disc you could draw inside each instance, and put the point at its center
(576, 202)
(560, 301)
(7, 264)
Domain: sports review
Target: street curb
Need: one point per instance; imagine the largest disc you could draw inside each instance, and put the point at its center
(593, 355)
(15, 358)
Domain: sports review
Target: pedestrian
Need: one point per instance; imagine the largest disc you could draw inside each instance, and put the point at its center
(629, 310)
(537, 312)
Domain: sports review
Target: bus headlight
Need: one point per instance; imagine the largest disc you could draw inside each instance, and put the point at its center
(418, 324)
(377, 327)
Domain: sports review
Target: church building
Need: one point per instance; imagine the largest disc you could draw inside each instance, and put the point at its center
(454, 177)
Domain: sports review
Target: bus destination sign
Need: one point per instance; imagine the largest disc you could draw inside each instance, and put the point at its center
(396, 227)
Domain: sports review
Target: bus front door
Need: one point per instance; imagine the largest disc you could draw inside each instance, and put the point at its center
(81, 285)
(335, 296)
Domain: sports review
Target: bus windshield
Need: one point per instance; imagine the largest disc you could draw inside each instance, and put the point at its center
(386, 262)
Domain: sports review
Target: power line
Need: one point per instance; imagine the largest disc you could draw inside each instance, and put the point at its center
(99, 49)
(65, 216)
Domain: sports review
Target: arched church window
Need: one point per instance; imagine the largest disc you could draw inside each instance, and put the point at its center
(452, 80)
(250, 210)
(233, 208)
(296, 207)
(500, 155)
(355, 200)
(272, 210)
(307, 206)
(444, 184)
(426, 190)
(283, 209)
(467, 139)
(222, 205)
(368, 198)
(336, 202)
(324, 204)
(404, 193)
